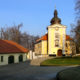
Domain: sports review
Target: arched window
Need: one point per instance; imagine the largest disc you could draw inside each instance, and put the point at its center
(56, 43)
(20, 58)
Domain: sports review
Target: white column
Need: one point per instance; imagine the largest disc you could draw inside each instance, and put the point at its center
(63, 50)
(31, 55)
(16, 58)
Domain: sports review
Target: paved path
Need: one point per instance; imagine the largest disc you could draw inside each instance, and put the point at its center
(23, 71)
(37, 62)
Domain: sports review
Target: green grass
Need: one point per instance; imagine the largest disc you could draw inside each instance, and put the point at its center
(63, 61)
(69, 74)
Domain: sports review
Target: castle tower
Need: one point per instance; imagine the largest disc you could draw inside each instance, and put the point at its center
(56, 36)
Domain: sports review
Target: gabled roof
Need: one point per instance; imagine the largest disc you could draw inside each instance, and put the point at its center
(7, 46)
(68, 37)
(45, 37)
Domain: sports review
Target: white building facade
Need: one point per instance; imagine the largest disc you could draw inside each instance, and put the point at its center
(11, 52)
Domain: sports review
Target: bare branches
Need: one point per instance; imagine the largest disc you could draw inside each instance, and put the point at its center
(13, 33)
(76, 28)
(77, 8)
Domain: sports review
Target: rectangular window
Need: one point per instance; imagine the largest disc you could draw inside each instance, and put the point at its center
(56, 35)
(1, 58)
(66, 45)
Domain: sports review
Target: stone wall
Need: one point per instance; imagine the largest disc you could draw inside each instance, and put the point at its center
(32, 55)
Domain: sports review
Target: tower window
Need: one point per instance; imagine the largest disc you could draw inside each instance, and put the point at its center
(56, 43)
(56, 35)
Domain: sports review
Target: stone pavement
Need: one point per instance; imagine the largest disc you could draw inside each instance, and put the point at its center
(37, 62)
(24, 71)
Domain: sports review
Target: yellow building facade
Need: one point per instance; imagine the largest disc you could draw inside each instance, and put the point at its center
(55, 42)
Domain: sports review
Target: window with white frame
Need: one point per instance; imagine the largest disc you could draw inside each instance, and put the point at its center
(57, 43)
(56, 35)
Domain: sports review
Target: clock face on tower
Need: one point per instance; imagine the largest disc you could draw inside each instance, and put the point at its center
(57, 28)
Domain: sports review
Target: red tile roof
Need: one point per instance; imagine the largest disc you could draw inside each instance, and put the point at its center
(7, 46)
(68, 37)
(45, 37)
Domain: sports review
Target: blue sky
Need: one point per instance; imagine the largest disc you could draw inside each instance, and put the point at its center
(36, 14)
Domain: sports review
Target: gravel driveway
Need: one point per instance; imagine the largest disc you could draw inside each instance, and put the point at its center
(23, 71)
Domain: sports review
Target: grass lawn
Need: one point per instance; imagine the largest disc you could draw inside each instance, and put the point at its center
(69, 74)
(63, 61)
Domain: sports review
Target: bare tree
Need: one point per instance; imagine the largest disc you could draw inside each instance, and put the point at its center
(14, 33)
(11, 33)
(76, 28)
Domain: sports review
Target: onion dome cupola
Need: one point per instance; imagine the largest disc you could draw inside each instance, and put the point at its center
(55, 19)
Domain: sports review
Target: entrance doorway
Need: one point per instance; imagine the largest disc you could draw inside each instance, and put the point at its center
(20, 58)
(59, 52)
(10, 59)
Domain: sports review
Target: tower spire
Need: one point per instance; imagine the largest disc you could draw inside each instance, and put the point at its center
(55, 19)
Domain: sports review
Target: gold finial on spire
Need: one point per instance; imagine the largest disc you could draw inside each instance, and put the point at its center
(55, 6)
